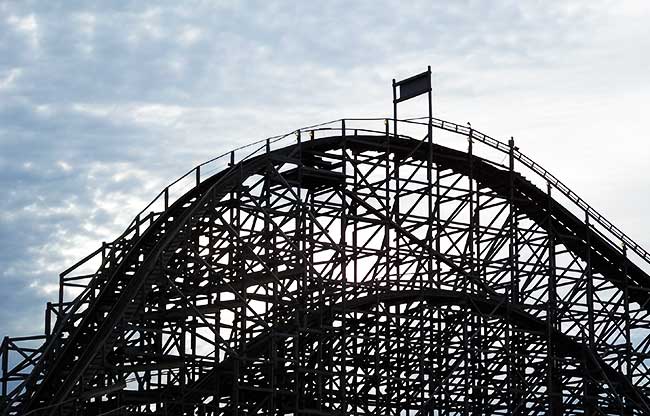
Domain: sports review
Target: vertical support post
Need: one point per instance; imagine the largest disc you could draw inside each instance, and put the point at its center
(381, 360)
(628, 336)
(482, 325)
(429, 182)
(396, 336)
(441, 343)
(472, 214)
(198, 175)
(589, 386)
(302, 291)
(470, 322)
(313, 274)
(267, 243)
(513, 340)
(166, 198)
(553, 377)
(355, 251)
(433, 325)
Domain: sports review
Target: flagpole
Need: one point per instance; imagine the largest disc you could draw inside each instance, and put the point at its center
(430, 176)
(394, 108)
(409, 88)
(430, 104)
(430, 126)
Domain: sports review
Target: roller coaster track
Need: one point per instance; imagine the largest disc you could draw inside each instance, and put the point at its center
(64, 370)
(550, 179)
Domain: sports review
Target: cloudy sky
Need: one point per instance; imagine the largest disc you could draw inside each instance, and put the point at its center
(101, 106)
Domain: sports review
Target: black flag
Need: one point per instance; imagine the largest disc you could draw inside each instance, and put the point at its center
(413, 86)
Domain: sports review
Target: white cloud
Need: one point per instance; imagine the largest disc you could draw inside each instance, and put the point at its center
(48, 289)
(64, 166)
(87, 23)
(26, 25)
(189, 36)
(9, 78)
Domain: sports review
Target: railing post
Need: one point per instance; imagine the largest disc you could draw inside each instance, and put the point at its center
(48, 320)
(300, 166)
(511, 154)
(198, 175)
(61, 281)
(590, 284)
(627, 328)
(590, 391)
(4, 351)
(166, 197)
(554, 381)
(627, 331)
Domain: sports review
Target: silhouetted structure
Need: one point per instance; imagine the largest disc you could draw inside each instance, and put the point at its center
(343, 269)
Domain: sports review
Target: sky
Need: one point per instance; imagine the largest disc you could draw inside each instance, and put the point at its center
(101, 106)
